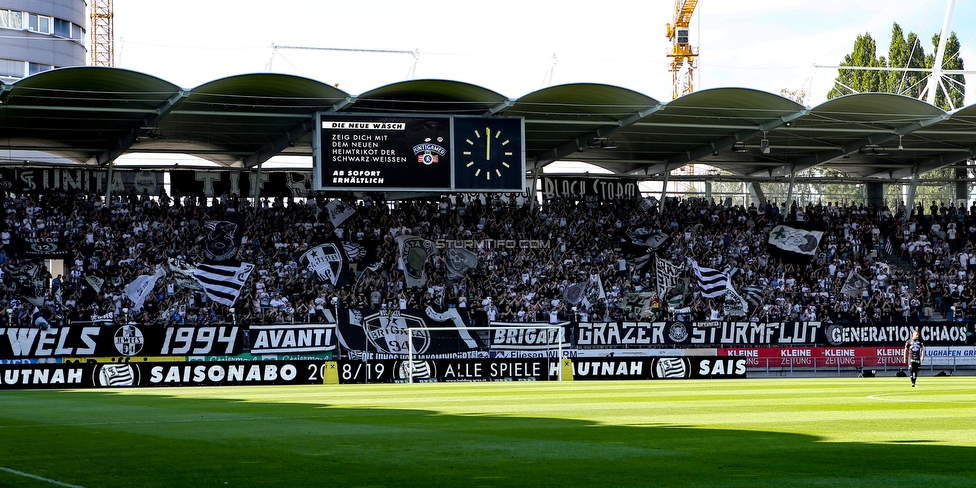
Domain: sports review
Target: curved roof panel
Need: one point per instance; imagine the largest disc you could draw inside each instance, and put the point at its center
(94, 115)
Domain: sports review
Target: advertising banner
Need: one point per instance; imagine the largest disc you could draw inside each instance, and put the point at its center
(821, 357)
(448, 370)
(121, 375)
(360, 152)
(658, 368)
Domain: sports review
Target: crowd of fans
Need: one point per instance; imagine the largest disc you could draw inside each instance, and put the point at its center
(919, 262)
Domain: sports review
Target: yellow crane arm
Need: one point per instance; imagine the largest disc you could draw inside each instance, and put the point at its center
(683, 11)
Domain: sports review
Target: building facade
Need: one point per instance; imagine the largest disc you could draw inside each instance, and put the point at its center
(39, 35)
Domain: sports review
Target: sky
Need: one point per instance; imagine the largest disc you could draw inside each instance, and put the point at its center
(516, 47)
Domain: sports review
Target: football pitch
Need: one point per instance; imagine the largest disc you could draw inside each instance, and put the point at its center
(756, 432)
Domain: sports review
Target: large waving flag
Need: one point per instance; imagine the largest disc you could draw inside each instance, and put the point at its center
(712, 282)
(413, 254)
(794, 245)
(458, 261)
(339, 212)
(222, 275)
(30, 280)
(223, 282)
(141, 287)
(328, 262)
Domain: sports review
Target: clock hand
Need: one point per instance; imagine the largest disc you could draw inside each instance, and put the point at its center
(487, 143)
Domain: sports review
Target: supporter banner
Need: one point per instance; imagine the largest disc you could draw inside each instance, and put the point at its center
(448, 370)
(595, 189)
(896, 333)
(42, 248)
(241, 183)
(120, 375)
(297, 338)
(385, 332)
(84, 180)
(523, 336)
(125, 340)
(640, 368)
(705, 334)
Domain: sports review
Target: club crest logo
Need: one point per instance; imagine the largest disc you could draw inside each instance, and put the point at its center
(129, 340)
(678, 332)
(387, 332)
(420, 370)
(671, 368)
(116, 375)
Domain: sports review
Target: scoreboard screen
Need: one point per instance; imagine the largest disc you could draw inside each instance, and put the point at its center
(355, 152)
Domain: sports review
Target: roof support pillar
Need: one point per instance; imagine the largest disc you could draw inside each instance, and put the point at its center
(910, 198)
(756, 193)
(962, 187)
(789, 193)
(664, 186)
(874, 194)
(108, 186)
(533, 193)
(257, 187)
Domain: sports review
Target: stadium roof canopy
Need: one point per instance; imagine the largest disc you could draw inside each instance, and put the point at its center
(93, 115)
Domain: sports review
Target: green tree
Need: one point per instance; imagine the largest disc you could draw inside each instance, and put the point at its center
(857, 81)
(905, 54)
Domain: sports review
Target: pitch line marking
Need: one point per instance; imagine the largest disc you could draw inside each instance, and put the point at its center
(39, 478)
(902, 398)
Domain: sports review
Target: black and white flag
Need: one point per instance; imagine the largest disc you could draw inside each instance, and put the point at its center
(30, 280)
(183, 274)
(712, 282)
(458, 261)
(855, 284)
(141, 287)
(221, 282)
(735, 304)
(339, 212)
(413, 254)
(95, 282)
(753, 295)
(666, 276)
(223, 239)
(327, 262)
(386, 332)
(793, 245)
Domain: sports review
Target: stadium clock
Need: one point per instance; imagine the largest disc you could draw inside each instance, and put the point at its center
(488, 154)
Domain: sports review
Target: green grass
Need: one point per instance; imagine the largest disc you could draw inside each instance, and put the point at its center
(757, 432)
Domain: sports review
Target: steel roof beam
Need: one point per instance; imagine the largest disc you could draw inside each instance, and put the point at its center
(127, 140)
(681, 159)
(581, 141)
(853, 146)
(281, 142)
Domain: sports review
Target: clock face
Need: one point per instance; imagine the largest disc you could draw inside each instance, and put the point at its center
(488, 154)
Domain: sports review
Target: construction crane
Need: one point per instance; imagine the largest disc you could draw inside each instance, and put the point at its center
(683, 56)
(102, 44)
